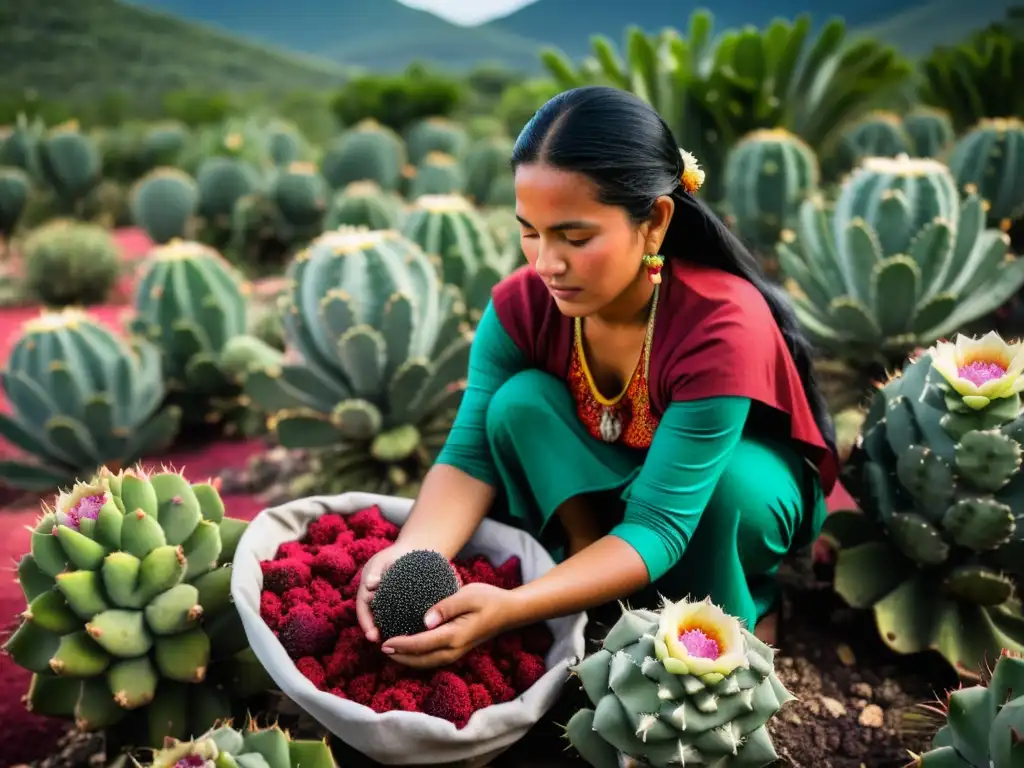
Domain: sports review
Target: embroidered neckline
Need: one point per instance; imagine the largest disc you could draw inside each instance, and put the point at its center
(643, 362)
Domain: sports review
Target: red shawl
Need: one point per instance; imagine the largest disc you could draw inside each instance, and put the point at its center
(714, 335)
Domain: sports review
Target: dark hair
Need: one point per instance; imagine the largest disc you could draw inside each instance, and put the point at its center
(623, 145)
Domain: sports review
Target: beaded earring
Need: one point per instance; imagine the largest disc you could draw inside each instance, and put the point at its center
(654, 263)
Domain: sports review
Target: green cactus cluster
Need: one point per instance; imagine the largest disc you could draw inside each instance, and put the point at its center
(364, 204)
(769, 173)
(938, 554)
(272, 223)
(164, 144)
(449, 228)
(990, 157)
(930, 130)
(252, 747)
(897, 262)
(81, 398)
(385, 351)
(435, 134)
(984, 724)
(437, 174)
(191, 304)
(644, 714)
(71, 262)
(129, 625)
(367, 152)
(164, 202)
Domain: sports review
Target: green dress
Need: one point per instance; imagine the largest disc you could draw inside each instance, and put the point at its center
(711, 507)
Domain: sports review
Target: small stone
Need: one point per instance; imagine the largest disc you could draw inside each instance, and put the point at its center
(845, 654)
(792, 717)
(872, 716)
(861, 690)
(835, 707)
(814, 707)
(859, 703)
(888, 692)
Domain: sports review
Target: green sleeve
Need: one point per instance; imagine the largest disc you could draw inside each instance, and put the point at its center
(689, 452)
(493, 359)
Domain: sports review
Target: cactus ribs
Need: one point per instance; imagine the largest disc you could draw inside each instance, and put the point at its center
(308, 601)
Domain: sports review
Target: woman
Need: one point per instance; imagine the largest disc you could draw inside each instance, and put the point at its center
(662, 428)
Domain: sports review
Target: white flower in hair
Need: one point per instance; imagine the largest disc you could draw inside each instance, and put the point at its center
(692, 177)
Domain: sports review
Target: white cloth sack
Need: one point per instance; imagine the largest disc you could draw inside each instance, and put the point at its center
(400, 738)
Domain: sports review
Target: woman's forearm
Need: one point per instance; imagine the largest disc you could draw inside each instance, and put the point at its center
(449, 508)
(609, 569)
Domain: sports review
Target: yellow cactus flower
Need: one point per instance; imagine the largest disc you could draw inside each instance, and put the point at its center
(699, 639)
(980, 370)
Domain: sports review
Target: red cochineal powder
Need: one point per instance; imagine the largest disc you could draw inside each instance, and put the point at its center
(308, 602)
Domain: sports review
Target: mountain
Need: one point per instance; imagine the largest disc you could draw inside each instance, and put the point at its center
(78, 48)
(379, 35)
(915, 26)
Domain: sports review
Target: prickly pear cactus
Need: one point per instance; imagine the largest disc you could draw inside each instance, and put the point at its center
(366, 152)
(129, 624)
(250, 748)
(437, 174)
(990, 157)
(938, 553)
(768, 174)
(684, 686)
(450, 228)
(900, 262)
(192, 305)
(81, 398)
(983, 724)
(384, 351)
(164, 202)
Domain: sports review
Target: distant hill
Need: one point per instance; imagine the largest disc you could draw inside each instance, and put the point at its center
(78, 48)
(941, 22)
(379, 35)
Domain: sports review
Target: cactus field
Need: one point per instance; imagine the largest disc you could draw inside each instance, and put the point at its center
(201, 319)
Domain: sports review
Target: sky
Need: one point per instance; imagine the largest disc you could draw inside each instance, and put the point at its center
(468, 11)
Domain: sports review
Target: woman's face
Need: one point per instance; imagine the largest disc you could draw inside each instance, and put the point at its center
(587, 253)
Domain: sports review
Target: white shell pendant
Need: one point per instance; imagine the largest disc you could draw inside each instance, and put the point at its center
(611, 426)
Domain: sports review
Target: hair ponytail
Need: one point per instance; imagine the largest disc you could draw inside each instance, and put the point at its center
(623, 145)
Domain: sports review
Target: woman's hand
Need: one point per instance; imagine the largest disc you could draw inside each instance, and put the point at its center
(473, 615)
(368, 583)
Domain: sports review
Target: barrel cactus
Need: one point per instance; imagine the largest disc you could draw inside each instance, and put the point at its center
(164, 202)
(384, 354)
(438, 174)
(435, 134)
(900, 262)
(684, 686)
(877, 134)
(938, 553)
(487, 165)
(367, 152)
(768, 174)
(129, 625)
(224, 747)
(81, 398)
(364, 204)
(450, 228)
(984, 723)
(990, 156)
(70, 163)
(192, 305)
(14, 190)
(930, 130)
